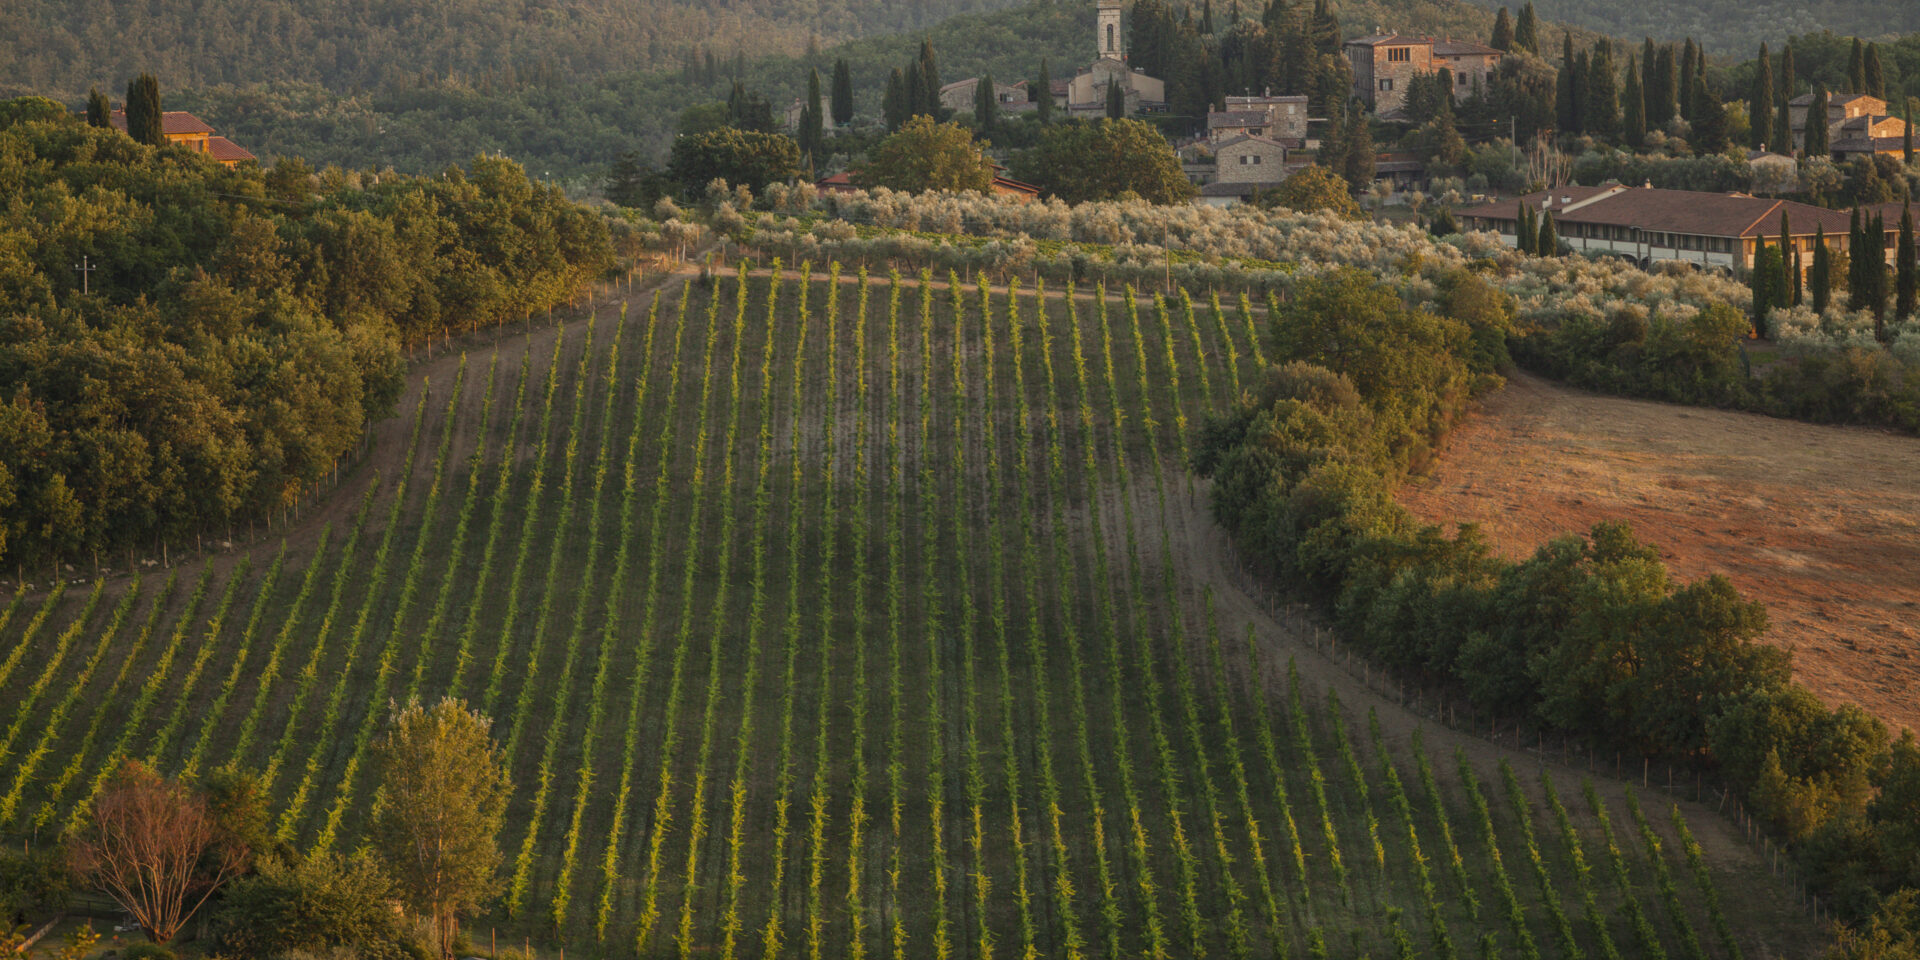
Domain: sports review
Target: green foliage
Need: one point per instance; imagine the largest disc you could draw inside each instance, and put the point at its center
(144, 111)
(230, 348)
(33, 886)
(1311, 190)
(924, 155)
(1103, 160)
(740, 157)
(147, 951)
(312, 904)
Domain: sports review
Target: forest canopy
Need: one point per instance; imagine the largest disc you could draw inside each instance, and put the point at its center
(235, 329)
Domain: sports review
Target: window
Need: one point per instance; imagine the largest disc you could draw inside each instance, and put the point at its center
(1459, 79)
(1243, 159)
(1290, 109)
(1110, 47)
(1399, 54)
(1256, 131)
(1386, 84)
(1256, 159)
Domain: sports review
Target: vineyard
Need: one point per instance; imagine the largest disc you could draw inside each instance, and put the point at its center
(827, 614)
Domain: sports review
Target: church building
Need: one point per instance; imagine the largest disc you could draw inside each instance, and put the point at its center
(1085, 93)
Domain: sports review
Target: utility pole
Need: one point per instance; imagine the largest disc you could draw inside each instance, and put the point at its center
(85, 268)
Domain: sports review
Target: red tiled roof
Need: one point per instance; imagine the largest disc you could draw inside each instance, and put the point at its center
(172, 123)
(226, 151)
(1670, 211)
(1010, 185)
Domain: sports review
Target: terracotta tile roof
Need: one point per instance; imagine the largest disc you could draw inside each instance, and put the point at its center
(1010, 185)
(1394, 39)
(1463, 48)
(1671, 211)
(172, 123)
(226, 151)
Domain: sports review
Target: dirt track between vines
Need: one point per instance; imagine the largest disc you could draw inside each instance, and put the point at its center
(1821, 523)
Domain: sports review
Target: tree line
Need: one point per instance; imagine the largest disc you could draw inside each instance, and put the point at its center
(235, 330)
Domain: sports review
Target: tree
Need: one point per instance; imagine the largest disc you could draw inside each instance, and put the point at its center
(1876, 75)
(893, 105)
(1116, 102)
(924, 155)
(1815, 137)
(1526, 238)
(143, 111)
(1043, 92)
(1760, 104)
(1783, 111)
(1906, 269)
(1906, 136)
(1874, 272)
(1765, 281)
(1549, 240)
(154, 847)
(1661, 109)
(812, 133)
(1502, 32)
(1600, 111)
(1080, 160)
(1359, 162)
(1822, 270)
(313, 905)
(1709, 119)
(739, 157)
(1312, 190)
(842, 93)
(634, 182)
(1567, 93)
(986, 106)
(1324, 30)
(1633, 108)
(445, 784)
(1857, 68)
(1689, 75)
(99, 111)
(748, 111)
(32, 886)
(929, 102)
(1526, 35)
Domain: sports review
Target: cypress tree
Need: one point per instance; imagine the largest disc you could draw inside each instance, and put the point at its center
(1689, 67)
(1116, 102)
(1333, 148)
(813, 123)
(1526, 34)
(1857, 68)
(1566, 92)
(143, 111)
(1814, 138)
(1669, 85)
(986, 106)
(1360, 153)
(1760, 105)
(1799, 275)
(1764, 281)
(1043, 89)
(1856, 259)
(1788, 279)
(1906, 136)
(1549, 239)
(1822, 264)
(1876, 76)
(1906, 268)
(1709, 119)
(1526, 236)
(930, 78)
(99, 111)
(1324, 29)
(1876, 274)
(916, 91)
(842, 93)
(893, 105)
(1600, 112)
(1502, 32)
(1633, 108)
(1783, 110)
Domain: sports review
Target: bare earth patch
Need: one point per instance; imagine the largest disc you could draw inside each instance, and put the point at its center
(1820, 523)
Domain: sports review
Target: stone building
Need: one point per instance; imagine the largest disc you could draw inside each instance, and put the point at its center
(1085, 93)
(183, 129)
(1385, 64)
(958, 95)
(1278, 118)
(1852, 117)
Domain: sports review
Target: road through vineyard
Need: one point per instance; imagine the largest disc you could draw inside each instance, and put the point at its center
(834, 613)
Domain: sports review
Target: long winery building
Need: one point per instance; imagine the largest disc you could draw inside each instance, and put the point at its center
(1649, 226)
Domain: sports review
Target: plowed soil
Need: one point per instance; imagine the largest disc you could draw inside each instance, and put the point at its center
(1821, 523)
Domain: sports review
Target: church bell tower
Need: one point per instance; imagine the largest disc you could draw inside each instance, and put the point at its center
(1112, 43)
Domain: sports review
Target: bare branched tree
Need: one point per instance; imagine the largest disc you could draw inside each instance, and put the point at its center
(153, 847)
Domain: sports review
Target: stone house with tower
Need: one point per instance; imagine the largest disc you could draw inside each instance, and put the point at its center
(1085, 93)
(1384, 65)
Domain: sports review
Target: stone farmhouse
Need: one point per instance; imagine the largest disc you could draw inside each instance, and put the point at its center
(1384, 64)
(1857, 124)
(1650, 226)
(1276, 118)
(183, 129)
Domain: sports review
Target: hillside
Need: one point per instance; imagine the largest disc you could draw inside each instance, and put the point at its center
(60, 48)
(1733, 27)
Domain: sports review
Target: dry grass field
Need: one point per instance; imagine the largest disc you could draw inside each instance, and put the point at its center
(1821, 523)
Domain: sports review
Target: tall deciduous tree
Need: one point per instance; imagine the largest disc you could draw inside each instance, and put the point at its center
(445, 787)
(1760, 102)
(1079, 161)
(154, 846)
(924, 155)
(842, 93)
(740, 157)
